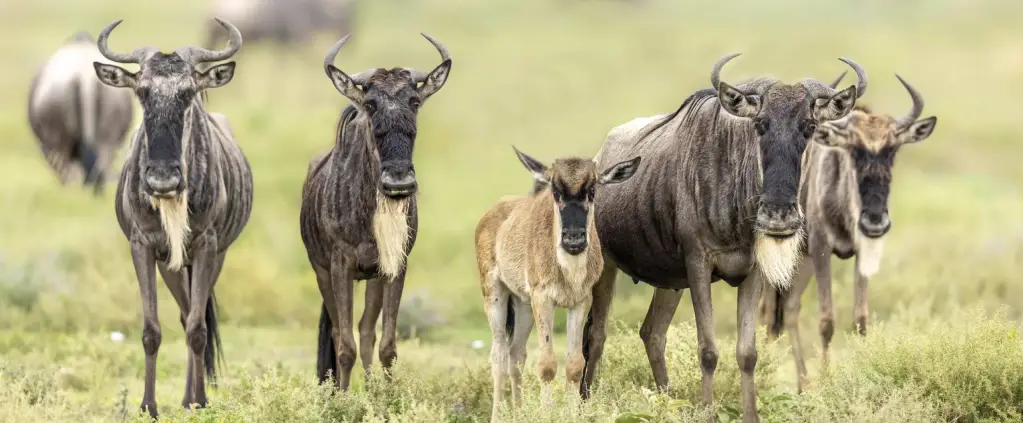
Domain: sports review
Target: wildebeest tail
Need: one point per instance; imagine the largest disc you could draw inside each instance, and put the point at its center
(87, 99)
(779, 311)
(214, 348)
(326, 358)
(509, 323)
(87, 155)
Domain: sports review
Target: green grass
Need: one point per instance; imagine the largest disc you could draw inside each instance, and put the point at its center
(551, 77)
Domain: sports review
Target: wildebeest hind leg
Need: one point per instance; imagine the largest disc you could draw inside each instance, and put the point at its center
(202, 280)
(520, 337)
(655, 329)
(496, 306)
(595, 331)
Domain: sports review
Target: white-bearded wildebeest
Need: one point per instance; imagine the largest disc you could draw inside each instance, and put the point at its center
(78, 121)
(537, 252)
(844, 191)
(284, 21)
(714, 199)
(359, 218)
(184, 196)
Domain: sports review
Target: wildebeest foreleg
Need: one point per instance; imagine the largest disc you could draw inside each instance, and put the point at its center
(698, 274)
(177, 284)
(574, 361)
(205, 267)
(860, 300)
(746, 343)
(791, 306)
(144, 260)
(655, 329)
(389, 336)
(341, 284)
(368, 323)
(595, 330)
(496, 306)
(543, 316)
(820, 256)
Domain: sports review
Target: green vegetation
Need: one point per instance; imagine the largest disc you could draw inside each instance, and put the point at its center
(551, 77)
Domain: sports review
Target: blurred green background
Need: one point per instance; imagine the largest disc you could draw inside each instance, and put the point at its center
(551, 77)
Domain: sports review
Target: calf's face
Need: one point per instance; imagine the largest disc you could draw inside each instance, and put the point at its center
(573, 182)
(872, 141)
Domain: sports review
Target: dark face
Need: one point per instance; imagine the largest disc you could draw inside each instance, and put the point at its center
(391, 100)
(573, 184)
(872, 141)
(392, 104)
(784, 118)
(166, 86)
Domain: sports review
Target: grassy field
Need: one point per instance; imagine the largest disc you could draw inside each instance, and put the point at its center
(551, 77)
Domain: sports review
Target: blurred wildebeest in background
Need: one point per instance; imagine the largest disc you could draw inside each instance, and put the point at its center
(78, 121)
(285, 21)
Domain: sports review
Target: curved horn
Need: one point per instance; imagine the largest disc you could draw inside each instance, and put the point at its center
(915, 111)
(715, 72)
(420, 76)
(834, 84)
(199, 54)
(861, 76)
(136, 56)
(359, 78)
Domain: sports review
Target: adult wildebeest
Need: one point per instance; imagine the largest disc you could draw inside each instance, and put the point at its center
(284, 21)
(714, 199)
(184, 196)
(844, 191)
(78, 121)
(359, 218)
(540, 251)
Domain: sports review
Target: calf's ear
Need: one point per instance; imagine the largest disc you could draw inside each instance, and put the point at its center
(917, 131)
(534, 166)
(620, 172)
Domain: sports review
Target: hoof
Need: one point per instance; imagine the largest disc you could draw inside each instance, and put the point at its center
(150, 408)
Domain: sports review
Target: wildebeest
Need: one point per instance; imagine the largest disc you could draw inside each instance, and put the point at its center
(537, 252)
(714, 199)
(844, 191)
(184, 195)
(284, 21)
(359, 218)
(78, 122)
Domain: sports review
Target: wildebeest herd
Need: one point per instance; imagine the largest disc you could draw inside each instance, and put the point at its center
(756, 182)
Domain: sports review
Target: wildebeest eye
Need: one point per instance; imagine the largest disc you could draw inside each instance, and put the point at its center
(557, 195)
(591, 192)
(370, 106)
(807, 127)
(761, 125)
(414, 103)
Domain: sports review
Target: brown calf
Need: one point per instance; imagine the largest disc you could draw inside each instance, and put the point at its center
(537, 252)
(844, 190)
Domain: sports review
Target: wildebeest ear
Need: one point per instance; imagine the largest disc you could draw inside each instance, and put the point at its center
(114, 76)
(736, 102)
(435, 80)
(537, 168)
(345, 85)
(917, 131)
(216, 77)
(620, 172)
(836, 106)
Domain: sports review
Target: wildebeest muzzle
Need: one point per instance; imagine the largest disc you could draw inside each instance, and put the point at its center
(780, 220)
(398, 179)
(163, 179)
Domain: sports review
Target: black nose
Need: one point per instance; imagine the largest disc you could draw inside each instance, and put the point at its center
(875, 224)
(398, 180)
(573, 240)
(779, 219)
(163, 179)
